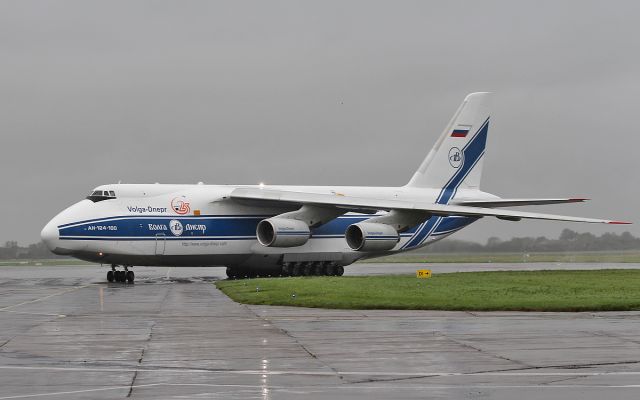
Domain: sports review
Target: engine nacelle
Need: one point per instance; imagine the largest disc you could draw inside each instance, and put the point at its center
(282, 232)
(369, 236)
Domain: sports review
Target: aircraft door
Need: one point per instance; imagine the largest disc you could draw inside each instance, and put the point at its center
(161, 240)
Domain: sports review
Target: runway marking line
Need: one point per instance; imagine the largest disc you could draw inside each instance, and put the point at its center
(44, 298)
(323, 373)
(325, 387)
(33, 313)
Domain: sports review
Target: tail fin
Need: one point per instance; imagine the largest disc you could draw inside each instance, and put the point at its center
(456, 159)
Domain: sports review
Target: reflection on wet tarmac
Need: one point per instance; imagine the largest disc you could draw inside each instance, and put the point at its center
(64, 333)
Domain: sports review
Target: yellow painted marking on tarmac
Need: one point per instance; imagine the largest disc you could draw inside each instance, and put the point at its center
(43, 298)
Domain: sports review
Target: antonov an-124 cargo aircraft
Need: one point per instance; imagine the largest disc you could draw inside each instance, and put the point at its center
(291, 230)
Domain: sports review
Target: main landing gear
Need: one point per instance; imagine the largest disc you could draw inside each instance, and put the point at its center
(312, 268)
(120, 276)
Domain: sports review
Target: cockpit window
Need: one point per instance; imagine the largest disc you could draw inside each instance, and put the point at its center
(99, 195)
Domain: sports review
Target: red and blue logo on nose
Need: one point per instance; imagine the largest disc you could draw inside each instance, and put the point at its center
(180, 205)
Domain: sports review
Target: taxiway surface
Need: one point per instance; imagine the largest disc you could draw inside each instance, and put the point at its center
(65, 333)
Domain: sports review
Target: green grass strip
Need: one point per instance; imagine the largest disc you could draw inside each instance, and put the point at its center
(594, 290)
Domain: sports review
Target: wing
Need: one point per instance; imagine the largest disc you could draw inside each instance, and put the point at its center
(516, 202)
(358, 204)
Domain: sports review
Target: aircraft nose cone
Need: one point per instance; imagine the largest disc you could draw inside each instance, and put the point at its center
(49, 235)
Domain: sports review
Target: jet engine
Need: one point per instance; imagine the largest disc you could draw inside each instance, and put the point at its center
(282, 232)
(369, 236)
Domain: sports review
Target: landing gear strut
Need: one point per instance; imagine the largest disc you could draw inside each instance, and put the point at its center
(120, 276)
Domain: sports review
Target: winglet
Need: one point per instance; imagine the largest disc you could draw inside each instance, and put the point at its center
(619, 223)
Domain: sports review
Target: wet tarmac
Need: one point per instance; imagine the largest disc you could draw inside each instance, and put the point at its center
(65, 334)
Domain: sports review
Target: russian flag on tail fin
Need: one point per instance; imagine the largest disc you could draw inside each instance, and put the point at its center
(461, 131)
(456, 158)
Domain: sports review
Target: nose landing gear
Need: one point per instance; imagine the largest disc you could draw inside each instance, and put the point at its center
(120, 276)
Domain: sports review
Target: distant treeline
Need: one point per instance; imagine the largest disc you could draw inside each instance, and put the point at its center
(568, 241)
(12, 250)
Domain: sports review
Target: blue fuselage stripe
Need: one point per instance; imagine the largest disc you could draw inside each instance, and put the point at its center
(206, 228)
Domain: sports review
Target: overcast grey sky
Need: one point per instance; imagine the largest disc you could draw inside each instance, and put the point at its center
(325, 92)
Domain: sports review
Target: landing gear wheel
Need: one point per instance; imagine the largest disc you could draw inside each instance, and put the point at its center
(308, 270)
(296, 270)
(330, 270)
(110, 277)
(244, 274)
(232, 273)
(339, 270)
(286, 269)
(130, 276)
(318, 269)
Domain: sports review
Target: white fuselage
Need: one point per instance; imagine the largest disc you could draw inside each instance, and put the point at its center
(157, 224)
(289, 227)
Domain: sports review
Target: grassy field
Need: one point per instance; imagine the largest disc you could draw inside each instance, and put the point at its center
(598, 290)
(563, 257)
